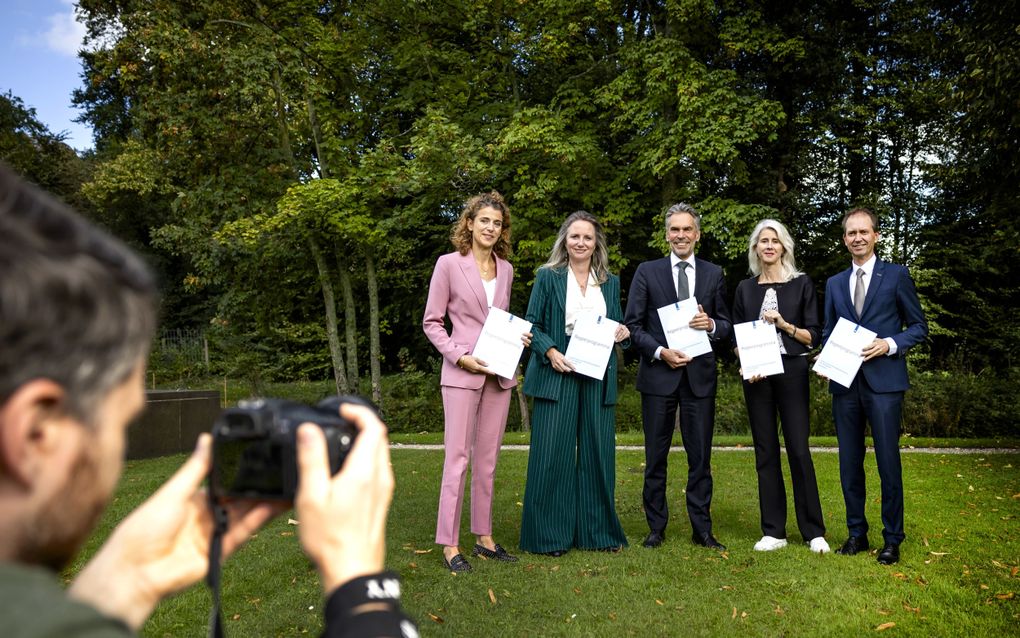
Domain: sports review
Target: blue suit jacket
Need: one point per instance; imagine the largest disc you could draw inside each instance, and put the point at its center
(891, 309)
(547, 312)
(652, 288)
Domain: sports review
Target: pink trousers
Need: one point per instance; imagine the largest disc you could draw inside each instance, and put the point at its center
(475, 422)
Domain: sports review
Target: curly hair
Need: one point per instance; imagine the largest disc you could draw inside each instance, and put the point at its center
(460, 236)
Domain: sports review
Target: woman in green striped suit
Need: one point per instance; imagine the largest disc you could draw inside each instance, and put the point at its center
(569, 498)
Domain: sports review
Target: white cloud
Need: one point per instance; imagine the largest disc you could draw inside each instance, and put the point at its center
(65, 34)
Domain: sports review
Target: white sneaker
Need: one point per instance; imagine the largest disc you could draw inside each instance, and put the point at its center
(769, 543)
(819, 546)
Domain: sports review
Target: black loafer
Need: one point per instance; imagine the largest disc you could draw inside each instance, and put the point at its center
(854, 545)
(707, 540)
(494, 554)
(890, 554)
(457, 564)
(654, 538)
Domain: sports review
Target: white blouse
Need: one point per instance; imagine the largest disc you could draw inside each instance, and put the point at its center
(578, 303)
(490, 290)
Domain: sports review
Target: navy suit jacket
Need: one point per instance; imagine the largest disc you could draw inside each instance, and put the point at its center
(654, 287)
(891, 309)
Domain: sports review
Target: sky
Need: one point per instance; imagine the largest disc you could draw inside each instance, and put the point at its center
(39, 42)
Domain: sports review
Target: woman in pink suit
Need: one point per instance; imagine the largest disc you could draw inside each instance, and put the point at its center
(465, 284)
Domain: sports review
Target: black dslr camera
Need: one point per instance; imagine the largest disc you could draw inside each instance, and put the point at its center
(255, 446)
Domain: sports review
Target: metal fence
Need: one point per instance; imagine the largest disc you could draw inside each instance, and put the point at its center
(187, 345)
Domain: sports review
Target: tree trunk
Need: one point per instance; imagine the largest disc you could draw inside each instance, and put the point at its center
(374, 349)
(329, 300)
(350, 322)
(522, 402)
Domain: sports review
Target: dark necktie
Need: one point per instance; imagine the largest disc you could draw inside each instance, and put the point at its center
(859, 293)
(682, 288)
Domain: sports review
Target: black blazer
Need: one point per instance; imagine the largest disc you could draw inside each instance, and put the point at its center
(798, 303)
(652, 288)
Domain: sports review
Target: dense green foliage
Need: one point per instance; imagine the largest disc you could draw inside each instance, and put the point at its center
(292, 167)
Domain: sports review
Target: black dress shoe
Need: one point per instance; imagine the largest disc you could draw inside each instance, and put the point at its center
(890, 554)
(495, 554)
(853, 545)
(654, 538)
(707, 540)
(457, 564)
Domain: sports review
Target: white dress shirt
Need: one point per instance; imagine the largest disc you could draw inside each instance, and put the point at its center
(869, 268)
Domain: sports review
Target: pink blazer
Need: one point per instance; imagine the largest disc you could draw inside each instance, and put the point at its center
(456, 291)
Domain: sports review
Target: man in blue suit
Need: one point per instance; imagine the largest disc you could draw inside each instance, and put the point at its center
(670, 379)
(881, 297)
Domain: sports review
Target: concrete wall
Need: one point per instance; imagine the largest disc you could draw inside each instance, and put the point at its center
(172, 421)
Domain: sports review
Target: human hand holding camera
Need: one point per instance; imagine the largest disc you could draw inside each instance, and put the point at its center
(163, 546)
(342, 517)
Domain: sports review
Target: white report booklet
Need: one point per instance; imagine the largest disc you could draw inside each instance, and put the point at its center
(591, 344)
(499, 345)
(676, 319)
(841, 357)
(758, 349)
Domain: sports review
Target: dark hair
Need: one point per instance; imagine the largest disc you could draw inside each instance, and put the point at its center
(77, 307)
(460, 236)
(861, 211)
(558, 257)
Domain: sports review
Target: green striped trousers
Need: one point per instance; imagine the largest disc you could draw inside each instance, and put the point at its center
(569, 497)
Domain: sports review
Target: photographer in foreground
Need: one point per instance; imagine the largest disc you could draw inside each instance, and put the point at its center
(77, 314)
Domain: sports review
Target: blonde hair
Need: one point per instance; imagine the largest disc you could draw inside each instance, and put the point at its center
(787, 263)
(558, 257)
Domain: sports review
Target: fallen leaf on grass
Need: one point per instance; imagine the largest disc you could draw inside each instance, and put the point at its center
(436, 619)
(939, 553)
(726, 588)
(884, 612)
(1013, 572)
(984, 586)
(900, 575)
(734, 616)
(577, 590)
(612, 615)
(291, 521)
(423, 551)
(998, 564)
(778, 610)
(286, 533)
(916, 610)
(659, 602)
(492, 596)
(1007, 596)
(413, 565)
(885, 625)
(236, 617)
(1017, 495)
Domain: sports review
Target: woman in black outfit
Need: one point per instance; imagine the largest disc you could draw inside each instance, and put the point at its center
(781, 295)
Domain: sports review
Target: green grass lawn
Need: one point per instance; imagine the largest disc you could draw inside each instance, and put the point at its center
(959, 574)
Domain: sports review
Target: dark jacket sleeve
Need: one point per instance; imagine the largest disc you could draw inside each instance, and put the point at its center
(368, 606)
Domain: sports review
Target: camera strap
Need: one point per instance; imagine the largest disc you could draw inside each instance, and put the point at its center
(212, 577)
